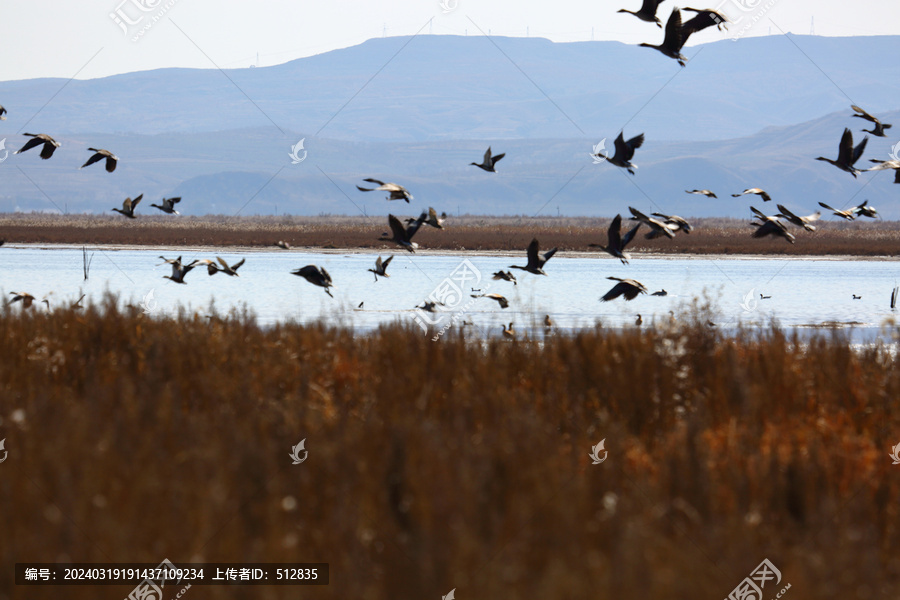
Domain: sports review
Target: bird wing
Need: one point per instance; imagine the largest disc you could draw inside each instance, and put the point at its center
(620, 146)
(638, 214)
(858, 151)
(487, 156)
(634, 143)
(378, 265)
(498, 157)
(549, 254)
(863, 114)
(845, 149)
(614, 234)
(413, 227)
(766, 197)
(94, 158)
(48, 150)
(397, 228)
(786, 212)
(222, 262)
(626, 239)
(370, 180)
(759, 214)
(432, 215)
(676, 35)
(325, 275)
(387, 262)
(533, 249)
(111, 162)
(823, 205)
(29, 144)
(616, 291)
(136, 201)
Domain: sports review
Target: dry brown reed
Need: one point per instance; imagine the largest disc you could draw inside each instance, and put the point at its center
(452, 464)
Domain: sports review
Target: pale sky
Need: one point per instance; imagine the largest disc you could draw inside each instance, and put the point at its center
(63, 38)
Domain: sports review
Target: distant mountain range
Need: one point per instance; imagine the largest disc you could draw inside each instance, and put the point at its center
(755, 112)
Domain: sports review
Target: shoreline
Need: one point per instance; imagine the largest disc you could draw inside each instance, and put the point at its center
(871, 240)
(562, 254)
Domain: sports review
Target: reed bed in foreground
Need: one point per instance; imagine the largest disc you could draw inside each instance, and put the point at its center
(710, 236)
(461, 463)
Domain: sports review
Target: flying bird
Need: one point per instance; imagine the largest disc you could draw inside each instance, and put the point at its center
(49, 144)
(3, 111)
(848, 214)
(804, 222)
(674, 40)
(24, 297)
(128, 207)
(402, 236)
(864, 210)
(772, 226)
(647, 12)
(660, 293)
(99, 154)
(759, 192)
(886, 164)
(179, 270)
(616, 242)
(535, 261)
(381, 267)
(489, 161)
(168, 205)
(657, 227)
(706, 193)
(879, 127)
(675, 222)
(395, 191)
(629, 288)
(316, 276)
(847, 154)
(223, 267)
(624, 152)
(433, 220)
(705, 18)
(502, 301)
(505, 276)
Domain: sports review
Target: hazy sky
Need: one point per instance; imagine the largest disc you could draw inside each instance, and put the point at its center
(62, 38)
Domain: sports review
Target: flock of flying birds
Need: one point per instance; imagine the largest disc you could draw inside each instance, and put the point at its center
(659, 224)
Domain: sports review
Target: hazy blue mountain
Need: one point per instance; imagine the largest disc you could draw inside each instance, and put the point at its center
(452, 88)
(249, 171)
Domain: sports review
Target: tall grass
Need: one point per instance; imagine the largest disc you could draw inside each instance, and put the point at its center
(458, 464)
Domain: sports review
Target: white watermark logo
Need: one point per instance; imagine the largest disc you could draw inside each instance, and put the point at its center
(449, 293)
(749, 303)
(446, 7)
(151, 588)
(449, 595)
(599, 153)
(295, 153)
(149, 304)
(895, 151)
(5, 151)
(596, 450)
(296, 450)
(133, 16)
(745, 13)
(751, 588)
(5, 452)
(895, 454)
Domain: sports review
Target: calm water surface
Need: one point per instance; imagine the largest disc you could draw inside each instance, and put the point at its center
(803, 291)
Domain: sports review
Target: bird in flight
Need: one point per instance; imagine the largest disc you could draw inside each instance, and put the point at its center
(536, 262)
(168, 205)
(381, 267)
(847, 154)
(706, 193)
(316, 276)
(129, 206)
(624, 152)
(489, 161)
(879, 127)
(37, 139)
(616, 242)
(629, 288)
(647, 12)
(99, 154)
(395, 191)
(759, 192)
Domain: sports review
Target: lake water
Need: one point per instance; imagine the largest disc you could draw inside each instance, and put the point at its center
(804, 291)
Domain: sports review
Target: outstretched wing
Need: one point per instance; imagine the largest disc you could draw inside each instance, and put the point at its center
(858, 152)
(614, 234)
(94, 158)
